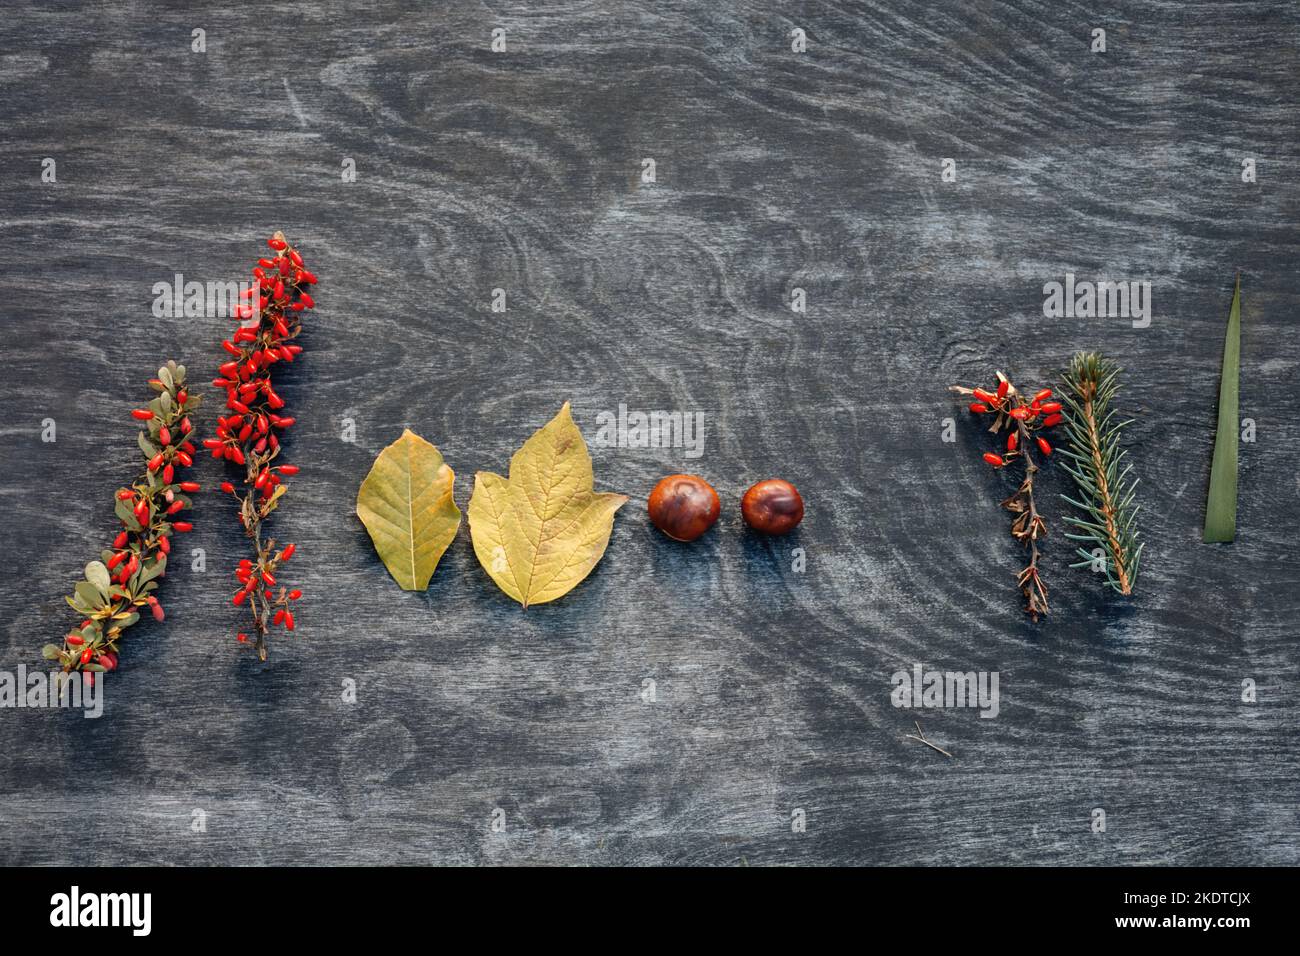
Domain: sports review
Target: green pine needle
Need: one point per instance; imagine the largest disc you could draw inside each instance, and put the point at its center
(1106, 493)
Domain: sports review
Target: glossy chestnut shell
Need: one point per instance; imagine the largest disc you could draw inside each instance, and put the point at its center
(772, 506)
(683, 506)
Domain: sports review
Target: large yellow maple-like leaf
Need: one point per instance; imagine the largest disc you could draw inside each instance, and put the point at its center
(407, 506)
(541, 531)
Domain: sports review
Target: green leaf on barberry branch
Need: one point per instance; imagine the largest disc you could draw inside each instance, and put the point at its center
(50, 652)
(89, 595)
(123, 510)
(97, 575)
(154, 570)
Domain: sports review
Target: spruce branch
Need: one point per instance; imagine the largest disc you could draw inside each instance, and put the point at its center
(1095, 460)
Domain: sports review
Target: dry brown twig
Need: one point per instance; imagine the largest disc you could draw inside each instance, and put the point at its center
(920, 736)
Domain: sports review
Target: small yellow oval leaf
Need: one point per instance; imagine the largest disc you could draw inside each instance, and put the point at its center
(540, 532)
(406, 504)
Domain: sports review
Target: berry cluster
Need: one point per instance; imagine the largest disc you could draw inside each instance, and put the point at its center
(1022, 418)
(249, 436)
(128, 572)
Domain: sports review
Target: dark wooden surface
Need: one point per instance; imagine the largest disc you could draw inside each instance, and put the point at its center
(521, 170)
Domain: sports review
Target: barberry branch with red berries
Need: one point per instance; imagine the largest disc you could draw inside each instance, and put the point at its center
(249, 435)
(127, 574)
(1022, 419)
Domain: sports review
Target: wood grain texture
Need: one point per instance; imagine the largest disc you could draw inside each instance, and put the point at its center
(775, 170)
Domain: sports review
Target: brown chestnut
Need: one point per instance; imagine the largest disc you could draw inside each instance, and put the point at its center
(772, 506)
(683, 506)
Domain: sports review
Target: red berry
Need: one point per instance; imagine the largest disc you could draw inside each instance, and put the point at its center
(1003, 385)
(182, 526)
(289, 470)
(1011, 441)
(992, 459)
(288, 551)
(295, 594)
(288, 620)
(189, 486)
(1051, 407)
(75, 640)
(1051, 420)
(278, 617)
(1046, 448)
(143, 414)
(1043, 395)
(242, 638)
(276, 244)
(86, 655)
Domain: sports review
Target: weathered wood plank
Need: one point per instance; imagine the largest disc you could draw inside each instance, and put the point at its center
(521, 171)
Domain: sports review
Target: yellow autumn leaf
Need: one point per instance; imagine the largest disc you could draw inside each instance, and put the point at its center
(540, 532)
(406, 505)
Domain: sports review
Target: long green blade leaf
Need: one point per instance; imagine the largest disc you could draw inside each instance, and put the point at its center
(1221, 507)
